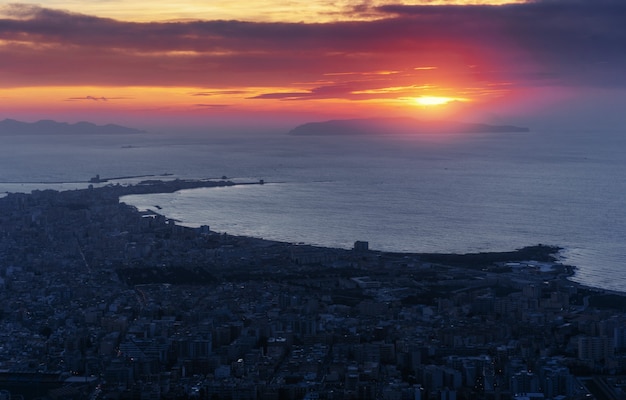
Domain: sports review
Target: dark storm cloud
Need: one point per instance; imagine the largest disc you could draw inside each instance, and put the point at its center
(574, 42)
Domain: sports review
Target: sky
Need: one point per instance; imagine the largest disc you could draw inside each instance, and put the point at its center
(149, 63)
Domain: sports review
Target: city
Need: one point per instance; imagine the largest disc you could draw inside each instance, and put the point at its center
(102, 301)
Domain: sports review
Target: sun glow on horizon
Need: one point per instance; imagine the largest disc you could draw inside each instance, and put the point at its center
(429, 101)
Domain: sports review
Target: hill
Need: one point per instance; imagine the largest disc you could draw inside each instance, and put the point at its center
(407, 126)
(13, 127)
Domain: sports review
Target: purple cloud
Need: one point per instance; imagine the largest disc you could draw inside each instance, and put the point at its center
(574, 42)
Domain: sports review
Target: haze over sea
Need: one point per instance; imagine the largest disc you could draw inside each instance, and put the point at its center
(446, 193)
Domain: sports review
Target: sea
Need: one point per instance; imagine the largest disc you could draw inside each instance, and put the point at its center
(447, 193)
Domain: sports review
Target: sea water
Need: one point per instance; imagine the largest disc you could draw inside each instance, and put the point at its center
(443, 193)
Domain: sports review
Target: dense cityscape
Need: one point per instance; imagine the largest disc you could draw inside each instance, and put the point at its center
(102, 301)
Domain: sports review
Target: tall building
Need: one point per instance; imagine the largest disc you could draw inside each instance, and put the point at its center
(557, 380)
(361, 246)
(524, 382)
(594, 348)
(619, 337)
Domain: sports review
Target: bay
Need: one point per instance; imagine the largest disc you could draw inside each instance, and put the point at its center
(447, 193)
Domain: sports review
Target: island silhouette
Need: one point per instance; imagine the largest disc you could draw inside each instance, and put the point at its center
(406, 126)
(47, 127)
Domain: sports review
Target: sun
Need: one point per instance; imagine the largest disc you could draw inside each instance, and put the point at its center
(429, 101)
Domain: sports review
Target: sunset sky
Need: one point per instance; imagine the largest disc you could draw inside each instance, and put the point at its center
(191, 62)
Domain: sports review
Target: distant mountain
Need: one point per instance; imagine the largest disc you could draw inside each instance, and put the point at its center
(13, 127)
(377, 126)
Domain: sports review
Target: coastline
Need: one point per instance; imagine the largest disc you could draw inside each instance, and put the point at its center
(568, 272)
(109, 264)
(542, 253)
(480, 262)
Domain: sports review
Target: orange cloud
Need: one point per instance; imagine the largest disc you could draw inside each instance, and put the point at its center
(265, 10)
(58, 60)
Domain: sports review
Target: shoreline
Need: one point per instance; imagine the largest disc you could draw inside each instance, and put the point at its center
(551, 254)
(469, 261)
